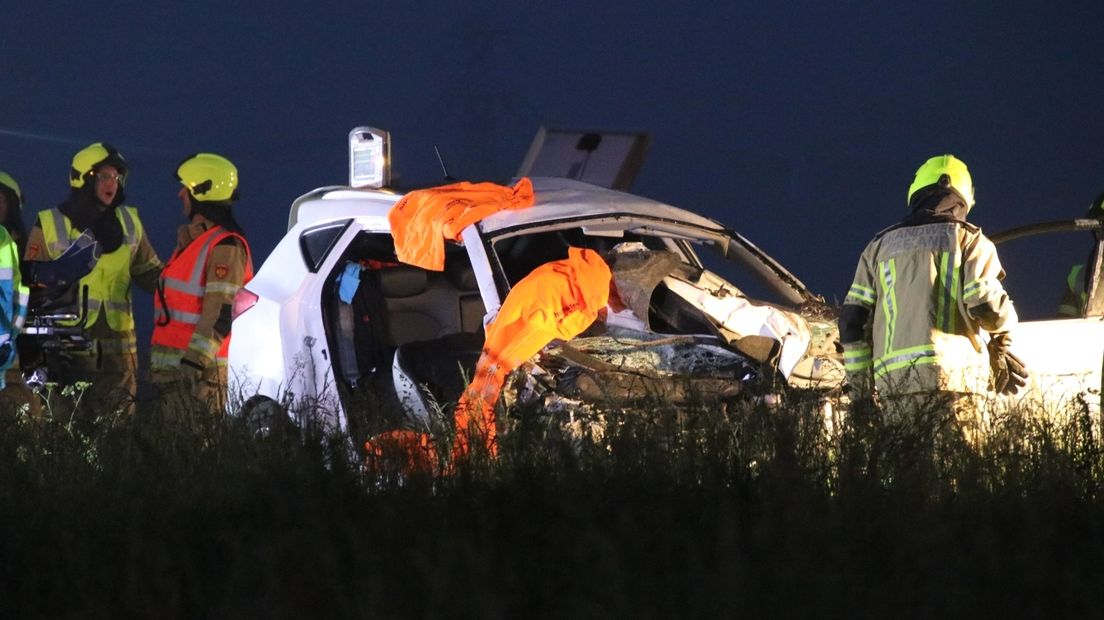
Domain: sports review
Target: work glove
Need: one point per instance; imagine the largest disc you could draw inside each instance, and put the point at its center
(1008, 372)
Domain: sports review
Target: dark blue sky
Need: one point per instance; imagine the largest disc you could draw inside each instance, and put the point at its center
(800, 124)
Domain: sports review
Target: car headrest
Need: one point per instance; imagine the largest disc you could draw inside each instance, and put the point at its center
(402, 281)
(461, 275)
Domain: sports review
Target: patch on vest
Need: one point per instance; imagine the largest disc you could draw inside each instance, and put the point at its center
(32, 251)
(221, 271)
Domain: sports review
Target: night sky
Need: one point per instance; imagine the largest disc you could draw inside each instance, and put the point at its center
(800, 124)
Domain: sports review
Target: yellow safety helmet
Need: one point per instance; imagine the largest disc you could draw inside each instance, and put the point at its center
(7, 181)
(933, 171)
(93, 156)
(208, 177)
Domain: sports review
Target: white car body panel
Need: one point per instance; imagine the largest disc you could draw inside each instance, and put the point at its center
(1064, 359)
(292, 362)
(740, 316)
(1063, 356)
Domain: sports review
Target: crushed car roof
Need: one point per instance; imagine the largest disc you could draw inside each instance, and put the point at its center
(568, 199)
(556, 199)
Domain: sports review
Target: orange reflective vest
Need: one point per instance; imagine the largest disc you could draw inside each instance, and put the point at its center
(424, 218)
(557, 300)
(184, 283)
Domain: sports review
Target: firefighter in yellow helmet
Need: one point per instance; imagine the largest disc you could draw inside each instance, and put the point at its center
(95, 212)
(924, 292)
(195, 295)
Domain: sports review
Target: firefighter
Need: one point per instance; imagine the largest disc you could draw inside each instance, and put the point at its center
(192, 307)
(95, 210)
(924, 292)
(1075, 297)
(14, 392)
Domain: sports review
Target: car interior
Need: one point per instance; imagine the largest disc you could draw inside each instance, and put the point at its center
(381, 313)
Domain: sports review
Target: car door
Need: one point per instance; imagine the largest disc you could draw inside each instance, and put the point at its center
(1053, 277)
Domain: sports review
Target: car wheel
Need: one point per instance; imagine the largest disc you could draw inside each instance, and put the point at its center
(265, 417)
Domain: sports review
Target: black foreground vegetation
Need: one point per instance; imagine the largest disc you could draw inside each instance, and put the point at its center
(723, 513)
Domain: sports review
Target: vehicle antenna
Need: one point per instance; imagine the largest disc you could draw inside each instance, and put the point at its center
(448, 177)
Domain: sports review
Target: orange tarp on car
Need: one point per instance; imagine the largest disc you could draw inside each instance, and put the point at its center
(424, 218)
(557, 300)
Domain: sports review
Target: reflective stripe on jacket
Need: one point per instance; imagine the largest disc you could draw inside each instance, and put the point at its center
(918, 282)
(13, 293)
(109, 281)
(178, 308)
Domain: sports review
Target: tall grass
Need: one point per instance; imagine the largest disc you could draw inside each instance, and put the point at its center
(722, 511)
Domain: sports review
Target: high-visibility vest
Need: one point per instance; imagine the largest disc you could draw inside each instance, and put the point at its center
(184, 284)
(13, 293)
(109, 281)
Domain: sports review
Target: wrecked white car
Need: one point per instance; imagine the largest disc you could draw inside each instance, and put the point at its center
(334, 323)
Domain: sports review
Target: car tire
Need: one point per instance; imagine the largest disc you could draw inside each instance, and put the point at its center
(265, 417)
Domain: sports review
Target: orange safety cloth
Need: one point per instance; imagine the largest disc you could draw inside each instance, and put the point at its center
(560, 300)
(424, 218)
(401, 450)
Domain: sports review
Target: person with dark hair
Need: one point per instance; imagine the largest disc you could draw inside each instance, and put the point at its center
(195, 296)
(94, 214)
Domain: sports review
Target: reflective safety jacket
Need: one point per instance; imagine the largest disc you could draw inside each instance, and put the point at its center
(198, 285)
(557, 300)
(109, 281)
(424, 218)
(930, 288)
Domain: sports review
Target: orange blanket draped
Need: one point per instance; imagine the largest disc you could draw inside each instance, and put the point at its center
(422, 219)
(557, 300)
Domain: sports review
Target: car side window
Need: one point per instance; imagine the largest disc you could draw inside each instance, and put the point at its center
(316, 242)
(520, 255)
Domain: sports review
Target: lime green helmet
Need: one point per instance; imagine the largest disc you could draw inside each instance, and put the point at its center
(7, 181)
(93, 156)
(209, 177)
(935, 169)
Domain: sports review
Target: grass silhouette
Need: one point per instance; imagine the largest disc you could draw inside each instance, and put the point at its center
(723, 510)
